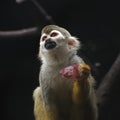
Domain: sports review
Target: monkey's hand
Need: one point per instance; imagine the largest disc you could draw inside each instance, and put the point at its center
(78, 72)
(80, 89)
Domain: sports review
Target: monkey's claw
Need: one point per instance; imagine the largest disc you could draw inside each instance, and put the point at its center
(76, 71)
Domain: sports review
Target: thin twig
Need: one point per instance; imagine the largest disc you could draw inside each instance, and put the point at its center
(43, 12)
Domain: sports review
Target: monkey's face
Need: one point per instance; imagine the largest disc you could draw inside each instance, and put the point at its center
(56, 42)
(52, 41)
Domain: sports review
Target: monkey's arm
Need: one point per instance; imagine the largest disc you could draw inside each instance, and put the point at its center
(80, 90)
(40, 111)
(80, 74)
(81, 85)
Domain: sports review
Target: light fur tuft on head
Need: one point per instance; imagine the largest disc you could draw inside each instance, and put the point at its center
(47, 29)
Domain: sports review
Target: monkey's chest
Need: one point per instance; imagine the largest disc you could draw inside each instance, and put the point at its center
(61, 86)
(57, 86)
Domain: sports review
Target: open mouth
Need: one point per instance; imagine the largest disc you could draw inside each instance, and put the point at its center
(49, 44)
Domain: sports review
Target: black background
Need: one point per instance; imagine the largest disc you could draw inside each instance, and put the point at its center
(96, 23)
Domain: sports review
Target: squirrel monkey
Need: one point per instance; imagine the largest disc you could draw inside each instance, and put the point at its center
(66, 89)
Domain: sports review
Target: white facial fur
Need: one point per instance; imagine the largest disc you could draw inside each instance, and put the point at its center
(56, 36)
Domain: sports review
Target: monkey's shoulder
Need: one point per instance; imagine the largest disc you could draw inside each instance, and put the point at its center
(77, 59)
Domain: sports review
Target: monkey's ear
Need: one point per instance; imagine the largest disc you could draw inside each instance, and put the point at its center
(73, 43)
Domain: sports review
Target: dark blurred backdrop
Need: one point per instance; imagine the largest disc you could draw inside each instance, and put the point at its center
(96, 23)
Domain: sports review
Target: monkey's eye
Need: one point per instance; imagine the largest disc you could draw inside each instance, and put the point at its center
(54, 34)
(44, 37)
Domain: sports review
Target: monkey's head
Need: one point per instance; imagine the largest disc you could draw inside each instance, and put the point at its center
(55, 39)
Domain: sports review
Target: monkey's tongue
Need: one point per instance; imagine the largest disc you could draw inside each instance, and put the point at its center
(50, 45)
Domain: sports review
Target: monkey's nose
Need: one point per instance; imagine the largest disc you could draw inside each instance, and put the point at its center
(50, 44)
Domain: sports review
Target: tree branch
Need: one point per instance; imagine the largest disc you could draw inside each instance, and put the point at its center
(105, 88)
(19, 33)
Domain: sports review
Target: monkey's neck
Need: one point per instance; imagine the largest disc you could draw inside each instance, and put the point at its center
(58, 59)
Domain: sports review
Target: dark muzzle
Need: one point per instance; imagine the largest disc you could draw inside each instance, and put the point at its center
(50, 44)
